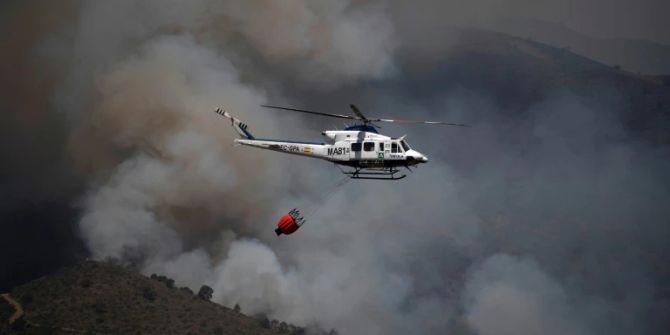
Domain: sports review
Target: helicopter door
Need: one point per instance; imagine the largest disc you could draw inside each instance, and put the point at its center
(356, 151)
(396, 151)
(381, 153)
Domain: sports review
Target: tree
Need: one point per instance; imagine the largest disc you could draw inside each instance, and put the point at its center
(237, 308)
(205, 293)
(263, 320)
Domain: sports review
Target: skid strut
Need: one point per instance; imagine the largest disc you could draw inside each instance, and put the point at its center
(374, 174)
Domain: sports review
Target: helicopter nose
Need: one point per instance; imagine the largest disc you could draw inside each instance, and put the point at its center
(420, 158)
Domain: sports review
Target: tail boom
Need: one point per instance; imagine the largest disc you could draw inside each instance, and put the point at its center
(307, 149)
(315, 150)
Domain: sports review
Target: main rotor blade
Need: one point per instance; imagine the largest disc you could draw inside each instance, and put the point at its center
(358, 112)
(421, 122)
(341, 116)
(362, 117)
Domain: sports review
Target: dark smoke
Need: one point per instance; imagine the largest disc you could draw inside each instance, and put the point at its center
(549, 216)
(38, 189)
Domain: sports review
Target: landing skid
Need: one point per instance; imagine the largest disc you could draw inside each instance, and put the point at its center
(374, 174)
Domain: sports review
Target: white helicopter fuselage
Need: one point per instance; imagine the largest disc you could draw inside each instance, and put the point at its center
(348, 147)
(369, 154)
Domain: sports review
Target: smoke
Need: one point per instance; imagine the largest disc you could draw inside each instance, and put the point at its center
(332, 41)
(36, 179)
(510, 296)
(171, 178)
(546, 217)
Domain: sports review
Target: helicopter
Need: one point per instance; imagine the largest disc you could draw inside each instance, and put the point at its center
(359, 147)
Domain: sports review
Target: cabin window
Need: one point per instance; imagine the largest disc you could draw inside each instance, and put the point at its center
(369, 146)
(394, 147)
(355, 147)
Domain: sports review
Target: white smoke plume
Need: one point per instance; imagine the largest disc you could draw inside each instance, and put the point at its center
(162, 205)
(333, 41)
(506, 295)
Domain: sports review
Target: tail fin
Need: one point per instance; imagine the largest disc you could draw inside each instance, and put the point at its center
(240, 127)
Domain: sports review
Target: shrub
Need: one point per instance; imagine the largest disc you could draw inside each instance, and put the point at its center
(149, 293)
(205, 293)
(169, 282)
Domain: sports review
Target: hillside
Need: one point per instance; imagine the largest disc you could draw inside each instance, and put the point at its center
(634, 55)
(515, 74)
(103, 298)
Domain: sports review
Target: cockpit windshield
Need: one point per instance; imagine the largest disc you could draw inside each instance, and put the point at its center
(404, 145)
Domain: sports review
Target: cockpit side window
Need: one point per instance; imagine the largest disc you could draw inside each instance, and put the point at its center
(404, 145)
(394, 147)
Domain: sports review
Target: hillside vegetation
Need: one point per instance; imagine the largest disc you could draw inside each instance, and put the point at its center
(104, 298)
